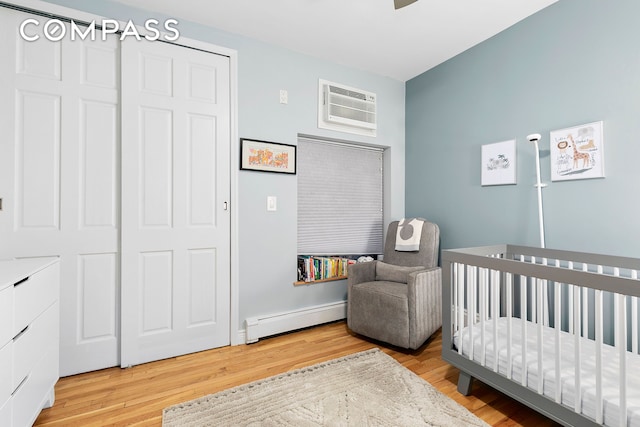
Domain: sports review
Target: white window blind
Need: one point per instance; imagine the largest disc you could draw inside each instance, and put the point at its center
(340, 198)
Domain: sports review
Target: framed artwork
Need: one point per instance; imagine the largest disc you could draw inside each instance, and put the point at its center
(577, 152)
(266, 156)
(498, 165)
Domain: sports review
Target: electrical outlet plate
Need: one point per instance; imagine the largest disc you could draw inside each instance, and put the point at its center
(284, 96)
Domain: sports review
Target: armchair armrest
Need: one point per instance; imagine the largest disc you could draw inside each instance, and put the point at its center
(425, 304)
(361, 272)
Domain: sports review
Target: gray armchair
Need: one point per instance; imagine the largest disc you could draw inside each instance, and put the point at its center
(398, 301)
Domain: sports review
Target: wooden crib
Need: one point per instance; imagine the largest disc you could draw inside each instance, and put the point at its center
(556, 330)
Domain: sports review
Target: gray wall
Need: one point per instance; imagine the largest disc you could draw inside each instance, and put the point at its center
(267, 240)
(574, 62)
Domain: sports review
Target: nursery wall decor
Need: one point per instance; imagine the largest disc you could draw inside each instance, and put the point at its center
(267, 156)
(577, 152)
(498, 163)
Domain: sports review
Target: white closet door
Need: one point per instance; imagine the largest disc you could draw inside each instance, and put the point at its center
(59, 148)
(175, 189)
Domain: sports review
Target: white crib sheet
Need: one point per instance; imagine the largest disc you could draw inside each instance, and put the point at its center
(610, 360)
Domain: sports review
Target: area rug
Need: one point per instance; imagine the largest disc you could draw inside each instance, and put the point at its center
(363, 389)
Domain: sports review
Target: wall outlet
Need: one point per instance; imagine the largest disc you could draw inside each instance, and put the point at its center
(284, 96)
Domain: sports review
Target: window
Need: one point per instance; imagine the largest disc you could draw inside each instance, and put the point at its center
(340, 197)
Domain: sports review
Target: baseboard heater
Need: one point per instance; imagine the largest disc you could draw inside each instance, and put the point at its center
(272, 324)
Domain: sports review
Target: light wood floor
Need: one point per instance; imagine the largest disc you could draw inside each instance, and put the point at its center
(137, 395)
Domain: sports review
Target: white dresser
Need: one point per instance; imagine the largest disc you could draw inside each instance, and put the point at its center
(29, 338)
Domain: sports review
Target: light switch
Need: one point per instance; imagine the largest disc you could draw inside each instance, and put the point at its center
(272, 203)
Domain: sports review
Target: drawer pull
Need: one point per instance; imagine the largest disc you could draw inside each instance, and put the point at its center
(20, 385)
(15, 285)
(21, 333)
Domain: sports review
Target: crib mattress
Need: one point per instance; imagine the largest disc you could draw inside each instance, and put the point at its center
(610, 367)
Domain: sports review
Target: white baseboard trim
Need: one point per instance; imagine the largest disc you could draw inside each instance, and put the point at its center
(272, 324)
(240, 338)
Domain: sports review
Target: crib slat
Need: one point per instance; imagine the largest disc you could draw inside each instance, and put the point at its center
(454, 298)
(577, 350)
(557, 327)
(495, 313)
(534, 300)
(460, 313)
(585, 307)
(539, 291)
(509, 280)
(471, 314)
(570, 301)
(523, 318)
(620, 308)
(545, 298)
(634, 317)
(455, 307)
(484, 278)
(598, 333)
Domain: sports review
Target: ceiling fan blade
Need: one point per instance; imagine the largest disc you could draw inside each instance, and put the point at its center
(402, 3)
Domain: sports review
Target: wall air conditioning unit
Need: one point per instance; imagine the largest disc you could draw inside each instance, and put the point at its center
(346, 109)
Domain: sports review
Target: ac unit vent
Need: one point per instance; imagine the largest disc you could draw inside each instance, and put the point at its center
(346, 92)
(346, 109)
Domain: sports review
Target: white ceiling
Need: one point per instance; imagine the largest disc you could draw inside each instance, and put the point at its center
(364, 34)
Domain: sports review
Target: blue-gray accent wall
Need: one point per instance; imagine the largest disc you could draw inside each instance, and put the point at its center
(575, 62)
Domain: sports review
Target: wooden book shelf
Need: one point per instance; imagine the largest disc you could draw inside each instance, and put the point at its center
(311, 282)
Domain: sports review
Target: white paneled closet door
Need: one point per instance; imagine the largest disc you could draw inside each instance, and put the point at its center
(59, 178)
(175, 192)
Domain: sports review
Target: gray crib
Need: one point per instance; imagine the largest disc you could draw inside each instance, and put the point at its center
(556, 330)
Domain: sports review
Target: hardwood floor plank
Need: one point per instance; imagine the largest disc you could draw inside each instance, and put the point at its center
(136, 396)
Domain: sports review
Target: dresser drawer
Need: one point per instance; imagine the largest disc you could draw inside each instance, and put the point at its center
(6, 315)
(33, 295)
(29, 346)
(5, 373)
(6, 413)
(36, 392)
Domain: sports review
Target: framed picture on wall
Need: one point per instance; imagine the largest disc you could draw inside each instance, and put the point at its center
(577, 152)
(266, 156)
(498, 163)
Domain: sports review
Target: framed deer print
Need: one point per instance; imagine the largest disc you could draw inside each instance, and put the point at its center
(267, 156)
(498, 164)
(577, 152)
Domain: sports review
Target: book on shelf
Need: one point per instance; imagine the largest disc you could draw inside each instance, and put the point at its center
(312, 267)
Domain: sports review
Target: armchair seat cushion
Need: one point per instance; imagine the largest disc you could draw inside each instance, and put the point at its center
(380, 309)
